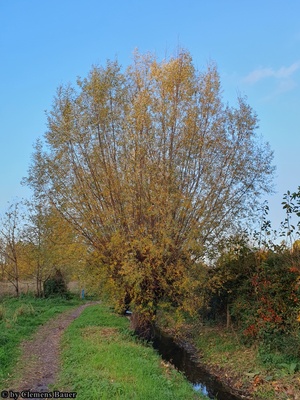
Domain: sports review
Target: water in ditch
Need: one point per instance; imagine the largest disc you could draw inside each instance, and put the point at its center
(195, 373)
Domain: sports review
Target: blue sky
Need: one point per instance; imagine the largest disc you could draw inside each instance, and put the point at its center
(46, 43)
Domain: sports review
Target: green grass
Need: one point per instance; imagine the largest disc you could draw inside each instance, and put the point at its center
(101, 359)
(19, 319)
(271, 378)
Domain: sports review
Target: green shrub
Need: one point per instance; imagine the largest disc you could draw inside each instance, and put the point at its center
(55, 285)
(262, 289)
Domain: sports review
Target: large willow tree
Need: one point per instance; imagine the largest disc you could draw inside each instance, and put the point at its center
(153, 169)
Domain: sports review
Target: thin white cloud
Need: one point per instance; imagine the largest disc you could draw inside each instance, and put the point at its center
(286, 72)
(258, 74)
(262, 73)
(286, 85)
(283, 86)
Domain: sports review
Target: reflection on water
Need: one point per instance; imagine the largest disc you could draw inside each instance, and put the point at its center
(195, 373)
(199, 387)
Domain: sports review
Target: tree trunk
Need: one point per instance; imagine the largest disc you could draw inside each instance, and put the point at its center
(228, 318)
(142, 326)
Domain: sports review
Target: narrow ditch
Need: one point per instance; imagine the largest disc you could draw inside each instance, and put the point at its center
(185, 362)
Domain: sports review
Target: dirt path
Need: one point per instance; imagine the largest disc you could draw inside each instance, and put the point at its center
(39, 363)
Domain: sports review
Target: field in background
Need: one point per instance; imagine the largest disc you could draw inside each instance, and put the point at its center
(25, 287)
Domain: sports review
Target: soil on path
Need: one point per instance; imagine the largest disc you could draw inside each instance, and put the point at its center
(39, 363)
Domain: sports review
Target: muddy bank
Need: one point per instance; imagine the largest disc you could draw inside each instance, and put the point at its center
(215, 382)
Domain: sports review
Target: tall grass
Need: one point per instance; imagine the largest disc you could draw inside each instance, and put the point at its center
(102, 360)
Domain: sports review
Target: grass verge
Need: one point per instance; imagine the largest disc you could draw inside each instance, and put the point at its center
(101, 359)
(244, 369)
(19, 319)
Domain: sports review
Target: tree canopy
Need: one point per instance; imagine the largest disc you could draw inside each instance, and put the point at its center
(153, 169)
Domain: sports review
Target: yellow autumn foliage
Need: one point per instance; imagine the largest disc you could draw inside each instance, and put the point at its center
(152, 168)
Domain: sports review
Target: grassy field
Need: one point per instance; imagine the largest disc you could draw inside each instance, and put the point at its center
(25, 287)
(101, 359)
(19, 318)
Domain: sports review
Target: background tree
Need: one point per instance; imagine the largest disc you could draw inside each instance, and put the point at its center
(153, 170)
(11, 246)
(52, 243)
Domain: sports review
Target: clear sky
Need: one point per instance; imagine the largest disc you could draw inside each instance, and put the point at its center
(46, 43)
